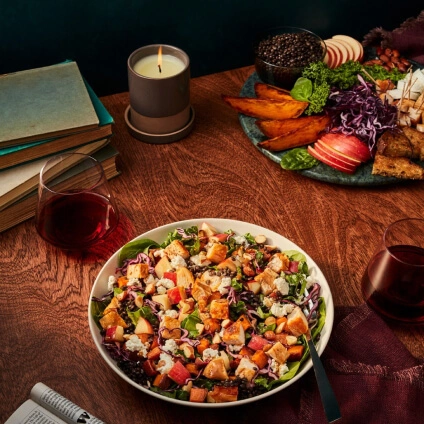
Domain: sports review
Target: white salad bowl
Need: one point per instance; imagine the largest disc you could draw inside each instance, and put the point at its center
(159, 234)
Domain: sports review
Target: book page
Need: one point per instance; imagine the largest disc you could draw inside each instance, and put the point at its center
(61, 407)
(32, 413)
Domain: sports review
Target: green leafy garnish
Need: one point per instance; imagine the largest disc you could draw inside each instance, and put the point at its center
(189, 323)
(321, 78)
(298, 158)
(133, 248)
(302, 89)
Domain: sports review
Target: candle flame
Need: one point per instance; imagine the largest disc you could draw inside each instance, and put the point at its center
(160, 58)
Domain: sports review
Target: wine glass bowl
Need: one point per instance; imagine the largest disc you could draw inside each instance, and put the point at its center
(76, 208)
(393, 283)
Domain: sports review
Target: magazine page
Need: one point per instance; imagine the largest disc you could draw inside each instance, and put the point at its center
(32, 413)
(60, 406)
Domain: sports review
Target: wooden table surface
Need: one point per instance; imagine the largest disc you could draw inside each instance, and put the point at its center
(214, 172)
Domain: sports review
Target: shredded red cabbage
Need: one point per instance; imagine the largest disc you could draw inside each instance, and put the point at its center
(360, 112)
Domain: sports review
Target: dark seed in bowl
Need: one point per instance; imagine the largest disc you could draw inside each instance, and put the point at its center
(290, 50)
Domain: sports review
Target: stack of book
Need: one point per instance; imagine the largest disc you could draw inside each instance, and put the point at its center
(43, 112)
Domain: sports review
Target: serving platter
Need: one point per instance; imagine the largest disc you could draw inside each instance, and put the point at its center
(321, 172)
(159, 234)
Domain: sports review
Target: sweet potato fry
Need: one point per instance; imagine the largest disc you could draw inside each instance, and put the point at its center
(297, 137)
(274, 128)
(266, 108)
(265, 91)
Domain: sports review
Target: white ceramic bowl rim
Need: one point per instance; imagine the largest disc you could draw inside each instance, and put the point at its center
(159, 234)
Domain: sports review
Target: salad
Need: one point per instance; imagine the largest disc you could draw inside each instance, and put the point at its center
(207, 316)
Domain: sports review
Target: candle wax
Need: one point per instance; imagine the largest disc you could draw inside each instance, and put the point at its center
(148, 66)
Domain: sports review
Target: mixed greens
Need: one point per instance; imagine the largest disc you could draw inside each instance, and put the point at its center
(209, 316)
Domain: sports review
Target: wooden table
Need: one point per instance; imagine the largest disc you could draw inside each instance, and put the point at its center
(214, 172)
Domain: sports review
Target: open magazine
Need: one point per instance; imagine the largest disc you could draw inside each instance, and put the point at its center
(46, 406)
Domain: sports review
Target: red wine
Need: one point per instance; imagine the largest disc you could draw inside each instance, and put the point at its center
(77, 220)
(393, 284)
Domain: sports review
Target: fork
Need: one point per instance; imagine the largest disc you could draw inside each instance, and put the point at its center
(328, 398)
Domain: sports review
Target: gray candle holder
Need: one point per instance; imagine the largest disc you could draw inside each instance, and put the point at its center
(159, 109)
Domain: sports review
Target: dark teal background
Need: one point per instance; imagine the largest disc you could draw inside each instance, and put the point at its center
(217, 35)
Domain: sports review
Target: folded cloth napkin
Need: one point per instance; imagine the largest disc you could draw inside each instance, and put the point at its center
(408, 38)
(374, 377)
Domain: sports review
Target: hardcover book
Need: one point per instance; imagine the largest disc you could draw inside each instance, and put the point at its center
(11, 156)
(44, 102)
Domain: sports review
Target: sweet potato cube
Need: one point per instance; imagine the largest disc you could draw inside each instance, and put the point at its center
(198, 394)
(222, 394)
(162, 381)
(260, 358)
(295, 353)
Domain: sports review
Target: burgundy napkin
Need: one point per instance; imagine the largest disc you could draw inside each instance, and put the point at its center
(374, 377)
(408, 38)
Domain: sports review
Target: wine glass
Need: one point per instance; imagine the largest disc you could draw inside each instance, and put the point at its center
(76, 208)
(393, 283)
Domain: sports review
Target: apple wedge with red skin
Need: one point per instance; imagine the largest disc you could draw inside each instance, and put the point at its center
(347, 144)
(329, 151)
(179, 373)
(317, 155)
(334, 159)
(143, 327)
(257, 342)
(176, 294)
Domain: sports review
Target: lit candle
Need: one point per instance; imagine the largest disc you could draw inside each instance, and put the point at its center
(159, 88)
(159, 66)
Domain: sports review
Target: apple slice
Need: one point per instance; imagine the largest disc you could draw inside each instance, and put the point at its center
(332, 164)
(330, 57)
(342, 49)
(335, 54)
(335, 157)
(348, 144)
(114, 333)
(179, 373)
(356, 45)
(143, 327)
(349, 48)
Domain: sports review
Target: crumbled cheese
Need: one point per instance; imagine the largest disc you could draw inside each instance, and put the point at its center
(165, 363)
(178, 262)
(170, 346)
(165, 282)
(224, 285)
(209, 354)
(160, 253)
(235, 348)
(196, 260)
(240, 239)
(277, 368)
(134, 344)
(282, 285)
(150, 279)
(200, 259)
(279, 310)
(133, 282)
(171, 313)
(111, 282)
(161, 290)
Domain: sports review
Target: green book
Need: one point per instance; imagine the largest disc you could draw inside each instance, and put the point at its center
(14, 155)
(44, 103)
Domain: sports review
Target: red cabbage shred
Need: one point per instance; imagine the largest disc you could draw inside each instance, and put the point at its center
(360, 112)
